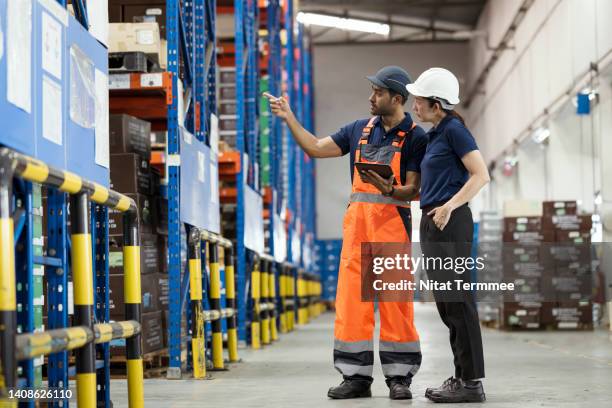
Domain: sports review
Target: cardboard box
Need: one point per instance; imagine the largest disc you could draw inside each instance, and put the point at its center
(130, 135)
(227, 75)
(149, 289)
(227, 92)
(151, 333)
(145, 211)
(520, 315)
(149, 257)
(522, 224)
(529, 237)
(129, 173)
(550, 208)
(162, 250)
(570, 315)
(568, 222)
(577, 237)
(522, 208)
(128, 37)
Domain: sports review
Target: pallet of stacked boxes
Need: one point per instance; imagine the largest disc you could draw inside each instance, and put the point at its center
(130, 173)
(227, 105)
(490, 230)
(571, 287)
(527, 269)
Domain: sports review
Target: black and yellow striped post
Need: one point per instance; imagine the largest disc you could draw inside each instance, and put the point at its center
(302, 298)
(230, 299)
(291, 297)
(255, 296)
(82, 275)
(198, 340)
(133, 308)
(264, 313)
(282, 293)
(215, 304)
(272, 300)
(8, 291)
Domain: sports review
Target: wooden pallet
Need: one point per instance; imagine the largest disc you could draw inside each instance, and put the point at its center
(155, 364)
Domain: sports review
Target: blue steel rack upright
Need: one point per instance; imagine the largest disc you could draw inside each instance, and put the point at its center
(190, 33)
(247, 129)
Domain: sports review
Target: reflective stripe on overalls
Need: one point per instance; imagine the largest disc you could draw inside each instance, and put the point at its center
(372, 217)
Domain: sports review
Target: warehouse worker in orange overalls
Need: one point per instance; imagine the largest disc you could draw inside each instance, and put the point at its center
(379, 211)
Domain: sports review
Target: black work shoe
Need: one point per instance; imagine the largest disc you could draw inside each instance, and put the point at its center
(457, 391)
(350, 389)
(399, 388)
(445, 386)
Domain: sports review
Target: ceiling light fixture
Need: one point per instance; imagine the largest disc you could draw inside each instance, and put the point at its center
(348, 24)
(540, 135)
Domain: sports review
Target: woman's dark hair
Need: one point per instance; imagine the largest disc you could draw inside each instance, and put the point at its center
(453, 113)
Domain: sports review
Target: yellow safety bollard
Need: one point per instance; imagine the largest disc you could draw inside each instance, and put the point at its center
(133, 307)
(82, 275)
(255, 295)
(230, 298)
(272, 297)
(198, 342)
(8, 290)
(282, 289)
(215, 304)
(265, 313)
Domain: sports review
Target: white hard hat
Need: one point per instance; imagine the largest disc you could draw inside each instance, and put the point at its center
(437, 83)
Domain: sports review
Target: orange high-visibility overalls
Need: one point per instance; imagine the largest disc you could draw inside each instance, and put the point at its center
(372, 217)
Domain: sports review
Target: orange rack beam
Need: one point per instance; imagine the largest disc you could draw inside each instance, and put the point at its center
(145, 96)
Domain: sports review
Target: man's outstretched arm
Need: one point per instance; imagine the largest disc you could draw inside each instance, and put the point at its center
(313, 146)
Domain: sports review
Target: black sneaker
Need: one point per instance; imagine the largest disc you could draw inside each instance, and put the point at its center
(445, 386)
(457, 391)
(399, 388)
(350, 389)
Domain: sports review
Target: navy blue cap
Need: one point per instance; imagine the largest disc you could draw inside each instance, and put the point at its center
(392, 77)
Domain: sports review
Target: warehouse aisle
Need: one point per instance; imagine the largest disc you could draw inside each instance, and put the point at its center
(297, 371)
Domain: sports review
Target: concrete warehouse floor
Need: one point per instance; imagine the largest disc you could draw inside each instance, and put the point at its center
(544, 369)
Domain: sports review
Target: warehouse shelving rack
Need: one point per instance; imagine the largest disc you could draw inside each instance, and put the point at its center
(191, 58)
(32, 265)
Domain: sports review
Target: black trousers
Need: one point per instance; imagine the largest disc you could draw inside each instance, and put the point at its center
(457, 309)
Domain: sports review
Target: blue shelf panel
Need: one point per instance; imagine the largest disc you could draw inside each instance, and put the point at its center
(199, 167)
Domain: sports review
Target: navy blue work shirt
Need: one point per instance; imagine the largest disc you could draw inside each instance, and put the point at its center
(413, 149)
(442, 171)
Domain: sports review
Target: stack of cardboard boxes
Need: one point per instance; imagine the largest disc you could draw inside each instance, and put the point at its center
(490, 229)
(130, 173)
(227, 106)
(547, 257)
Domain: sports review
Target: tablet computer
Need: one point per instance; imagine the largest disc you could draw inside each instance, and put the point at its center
(384, 170)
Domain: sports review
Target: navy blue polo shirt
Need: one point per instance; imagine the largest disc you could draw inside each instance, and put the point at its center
(442, 171)
(413, 149)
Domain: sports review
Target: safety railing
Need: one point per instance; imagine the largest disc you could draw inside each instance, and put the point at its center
(216, 313)
(84, 334)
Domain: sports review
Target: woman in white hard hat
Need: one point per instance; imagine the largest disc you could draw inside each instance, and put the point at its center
(452, 173)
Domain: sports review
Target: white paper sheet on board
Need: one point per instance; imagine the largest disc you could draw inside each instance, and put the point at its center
(102, 125)
(201, 167)
(214, 133)
(51, 45)
(1, 41)
(214, 182)
(52, 113)
(18, 50)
